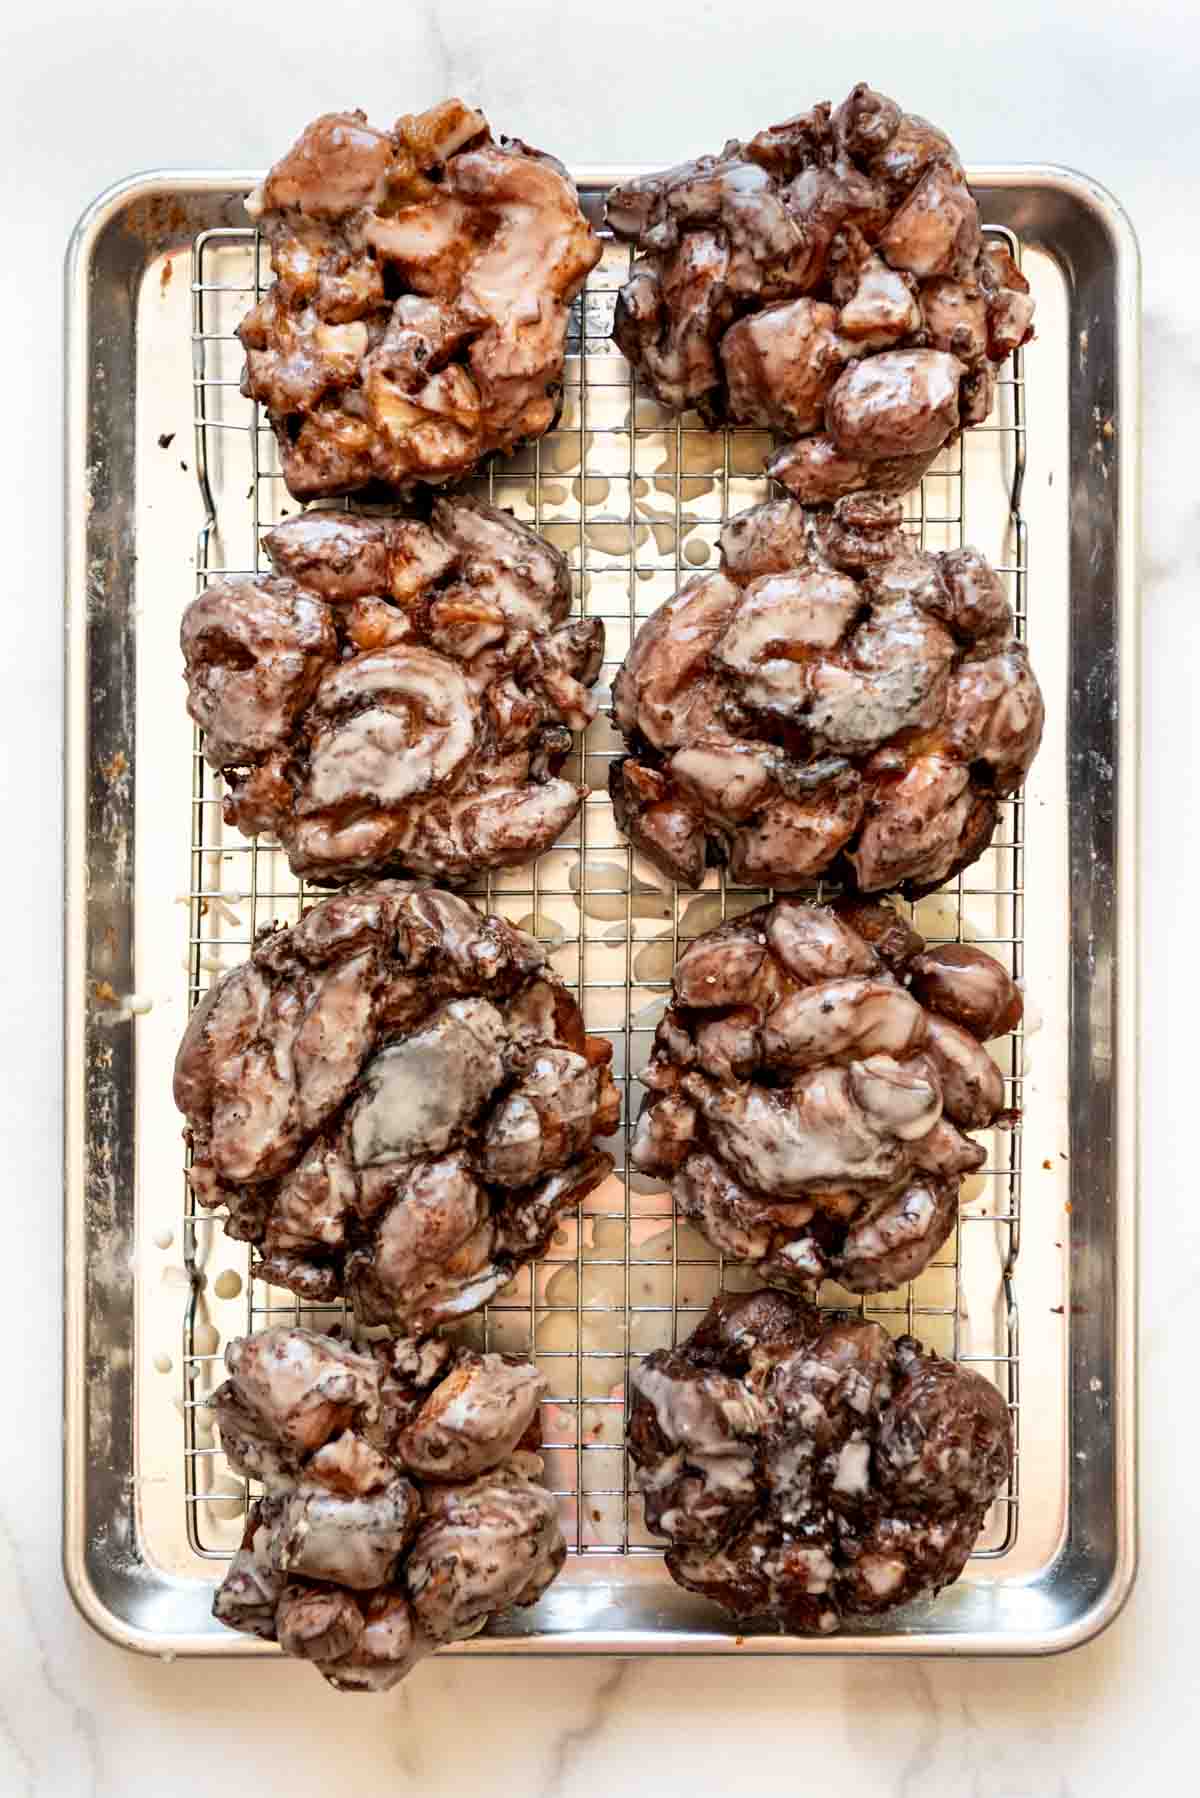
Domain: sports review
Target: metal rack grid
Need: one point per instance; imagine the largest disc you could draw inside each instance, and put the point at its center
(626, 1276)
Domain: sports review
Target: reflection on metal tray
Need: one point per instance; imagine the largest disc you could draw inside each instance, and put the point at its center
(1036, 1287)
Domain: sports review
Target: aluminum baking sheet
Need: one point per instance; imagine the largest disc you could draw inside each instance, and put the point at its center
(172, 478)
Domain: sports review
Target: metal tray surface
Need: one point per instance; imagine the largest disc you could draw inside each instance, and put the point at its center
(171, 477)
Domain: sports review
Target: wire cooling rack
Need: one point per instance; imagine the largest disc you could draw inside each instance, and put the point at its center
(636, 499)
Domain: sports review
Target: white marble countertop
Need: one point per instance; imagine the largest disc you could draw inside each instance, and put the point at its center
(90, 93)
